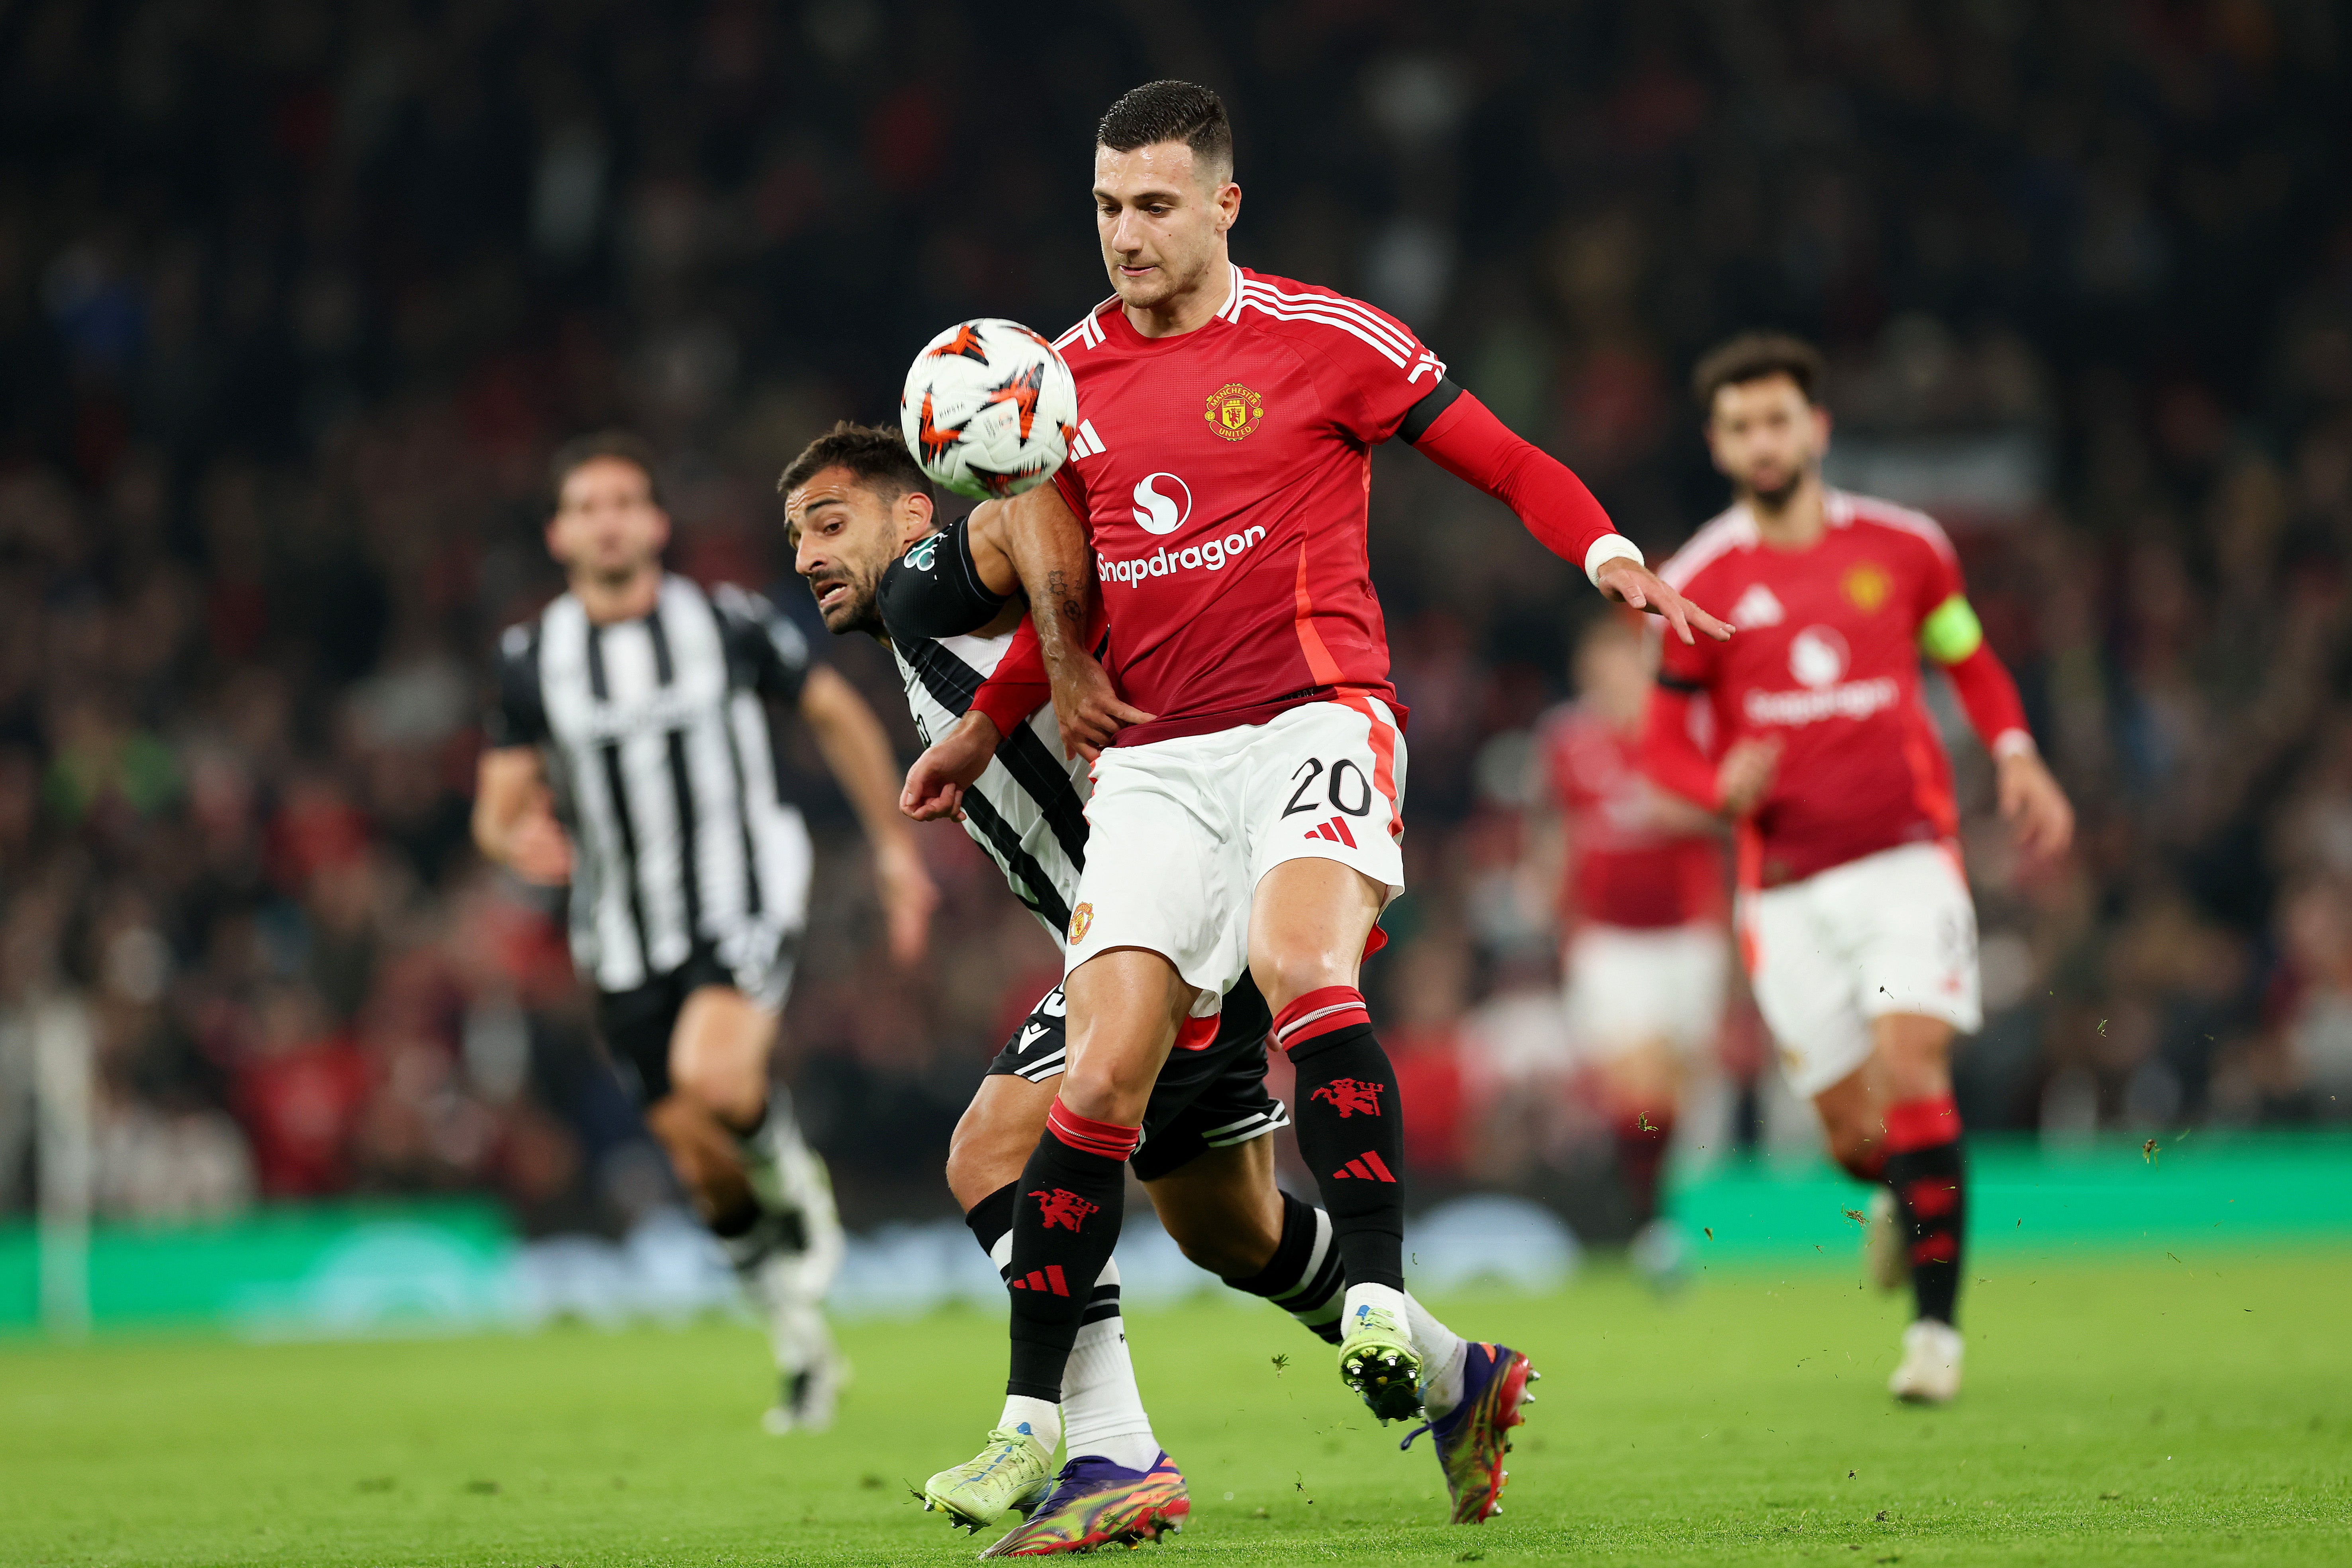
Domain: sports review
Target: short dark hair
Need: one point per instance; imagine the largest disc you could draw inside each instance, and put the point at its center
(877, 454)
(1752, 356)
(1170, 111)
(582, 450)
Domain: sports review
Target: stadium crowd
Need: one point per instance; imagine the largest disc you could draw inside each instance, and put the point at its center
(295, 300)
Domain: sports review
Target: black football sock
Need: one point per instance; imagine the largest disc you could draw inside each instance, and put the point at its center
(990, 1219)
(1303, 1277)
(1351, 1128)
(1641, 1156)
(1929, 1175)
(1066, 1220)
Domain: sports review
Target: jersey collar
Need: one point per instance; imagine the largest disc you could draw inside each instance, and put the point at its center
(1123, 333)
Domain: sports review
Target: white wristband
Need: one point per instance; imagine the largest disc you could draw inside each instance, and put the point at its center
(1610, 547)
(2013, 743)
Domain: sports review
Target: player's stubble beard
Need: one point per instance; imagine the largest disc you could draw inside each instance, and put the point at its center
(1776, 499)
(860, 611)
(616, 579)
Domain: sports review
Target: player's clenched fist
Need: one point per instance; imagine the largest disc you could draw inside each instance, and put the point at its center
(2034, 806)
(538, 850)
(1746, 775)
(935, 784)
(909, 897)
(1086, 708)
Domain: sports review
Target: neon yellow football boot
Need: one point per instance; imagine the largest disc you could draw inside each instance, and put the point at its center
(1014, 1472)
(1378, 1361)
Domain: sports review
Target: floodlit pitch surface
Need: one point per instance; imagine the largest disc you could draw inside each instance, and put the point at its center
(2143, 1409)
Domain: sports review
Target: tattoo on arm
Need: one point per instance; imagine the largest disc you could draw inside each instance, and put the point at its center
(1069, 608)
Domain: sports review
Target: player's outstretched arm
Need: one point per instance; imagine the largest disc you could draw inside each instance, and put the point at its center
(858, 754)
(1048, 546)
(514, 817)
(1462, 435)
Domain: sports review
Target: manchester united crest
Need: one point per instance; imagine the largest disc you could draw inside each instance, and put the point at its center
(1082, 920)
(1233, 411)
(1866, 586)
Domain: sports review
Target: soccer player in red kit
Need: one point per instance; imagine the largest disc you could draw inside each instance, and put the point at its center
(1642, 906)
(1854, 917)
(1249, 754)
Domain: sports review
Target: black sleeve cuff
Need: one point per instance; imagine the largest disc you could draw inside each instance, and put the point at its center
(1422, 415)
(934, 590)
(1676, 683)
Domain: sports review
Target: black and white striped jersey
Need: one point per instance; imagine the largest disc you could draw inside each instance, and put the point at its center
(1028, 810)
(656, 735)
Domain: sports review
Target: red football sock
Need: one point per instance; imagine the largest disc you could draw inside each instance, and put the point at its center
(1926, 1169)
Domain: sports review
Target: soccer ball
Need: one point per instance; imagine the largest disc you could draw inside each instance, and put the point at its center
(989, 408)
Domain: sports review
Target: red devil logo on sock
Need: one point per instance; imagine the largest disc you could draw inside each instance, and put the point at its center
(1349, 1095)
(1063, 1208)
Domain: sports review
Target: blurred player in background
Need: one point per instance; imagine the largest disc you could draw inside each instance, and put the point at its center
(1854, 915)
(1642, 905)
(629, 755)
(860, 515)
(1249, 756)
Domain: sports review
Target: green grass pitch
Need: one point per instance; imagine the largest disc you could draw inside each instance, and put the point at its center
(2153, 1411)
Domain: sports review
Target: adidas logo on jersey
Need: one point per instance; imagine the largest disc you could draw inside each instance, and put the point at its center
(1087, 443)
(1367, 1166)
(1757, 607)
(1333, 832)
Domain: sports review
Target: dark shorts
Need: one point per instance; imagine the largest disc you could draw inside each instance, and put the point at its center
(636, 1024)
(1210, 1098)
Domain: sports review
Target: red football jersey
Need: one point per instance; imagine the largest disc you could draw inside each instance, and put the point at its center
(1624, 869)
(1223, 476)
(1826, 662)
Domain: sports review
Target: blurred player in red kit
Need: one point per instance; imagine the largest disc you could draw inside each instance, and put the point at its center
(1854, 917)
(1643, 905)
(1249, 753)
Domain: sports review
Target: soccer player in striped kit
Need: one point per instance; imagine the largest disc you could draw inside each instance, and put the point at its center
(860, 515)
(1854, 917)
(629, 755)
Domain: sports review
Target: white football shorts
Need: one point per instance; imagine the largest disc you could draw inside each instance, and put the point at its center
(1180, 831)
(1627, 986)
(1891, 933)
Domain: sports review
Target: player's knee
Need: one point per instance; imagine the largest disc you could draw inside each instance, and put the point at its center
(1285, 973)
(1855, 1144)
(1104, 1091)
(736, 1099)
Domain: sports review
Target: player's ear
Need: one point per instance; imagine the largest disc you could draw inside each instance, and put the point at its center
(915, 512)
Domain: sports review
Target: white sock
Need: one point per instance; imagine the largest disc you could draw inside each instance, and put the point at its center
(1443, 1354)
(1102, 1410)
(1041, 1419)
(1380, 1298)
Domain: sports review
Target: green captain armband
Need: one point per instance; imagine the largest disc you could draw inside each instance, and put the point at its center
(1951, 632)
